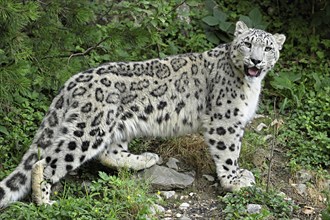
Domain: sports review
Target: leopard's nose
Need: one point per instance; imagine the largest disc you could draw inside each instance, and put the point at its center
(255, 62)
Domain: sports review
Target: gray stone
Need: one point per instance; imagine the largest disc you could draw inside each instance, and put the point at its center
(303, 176)
(155, 209)
(209, 177)
(172, 163)
(167, 194)
(160, 161)
(253, 208)
(301, 189)
(185, 218)
(165, 178)
(178, 215)
(191, 173)
(184, 206)
(183, 13)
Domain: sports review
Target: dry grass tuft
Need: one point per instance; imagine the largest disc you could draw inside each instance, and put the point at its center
(190, 150)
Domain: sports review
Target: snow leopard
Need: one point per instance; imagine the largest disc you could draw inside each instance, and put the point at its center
(100, 110)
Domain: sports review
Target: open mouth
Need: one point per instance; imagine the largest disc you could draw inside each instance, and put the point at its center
(252, 71)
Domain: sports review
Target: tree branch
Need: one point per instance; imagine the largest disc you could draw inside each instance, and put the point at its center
(87, 50)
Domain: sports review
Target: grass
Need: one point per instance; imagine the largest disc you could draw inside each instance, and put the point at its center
(109, 197)
(274, 206)
(121, 197)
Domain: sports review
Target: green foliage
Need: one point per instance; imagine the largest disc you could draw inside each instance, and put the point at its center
(220, 25)
(274, 206)
(306, 133)
(17, 129)
(326, 211)
(109, 197)
(302, 90)
(43, 43)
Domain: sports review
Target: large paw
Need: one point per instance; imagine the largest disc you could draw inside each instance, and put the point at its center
(150, 159)
(243, 179)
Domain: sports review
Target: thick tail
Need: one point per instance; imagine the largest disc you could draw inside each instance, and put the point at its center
(18, 183)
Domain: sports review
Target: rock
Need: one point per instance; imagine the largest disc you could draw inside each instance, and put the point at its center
(284, 196)
(260, 157)
(267, 137)
(308, 210)
(301, 189)
(184, 218)
(183, 13)
(178, 215)
(167, 194)
(172, 163)
(191, 173)
(209, 177)
(253, 208)
(155, 209)
(165, 178)
(183, 197)
(160, 161)
(261, 126)
(168, 213)
(303, 176)
(184, 206)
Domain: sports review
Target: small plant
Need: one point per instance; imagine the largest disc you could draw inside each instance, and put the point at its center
(109, 197)
(326, 211)
(273, 204)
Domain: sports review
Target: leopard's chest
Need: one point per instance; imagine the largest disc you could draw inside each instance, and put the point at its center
(233, 99)
(250, 105)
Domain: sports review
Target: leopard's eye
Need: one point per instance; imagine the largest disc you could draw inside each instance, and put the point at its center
(247, 44)
(268, 49)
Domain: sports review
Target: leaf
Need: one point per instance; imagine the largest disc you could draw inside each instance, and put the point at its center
(262, 25)
(318, 82)
(246, 20)
(4, 130)
(282, 83)
(221, 16)
(293, 77)
(255, 16)
(210, 4)
(225, 26)
(320, 54)
(212, 37)
(210, 20)
(103, 176)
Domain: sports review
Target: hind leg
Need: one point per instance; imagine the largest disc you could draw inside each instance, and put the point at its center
(117, 155)
(79, 139)
(40, 188)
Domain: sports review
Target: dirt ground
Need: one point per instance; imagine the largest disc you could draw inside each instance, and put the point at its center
(202, 196)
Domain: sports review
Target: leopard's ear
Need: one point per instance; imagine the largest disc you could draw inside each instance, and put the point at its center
(240, 28)
(279, 38)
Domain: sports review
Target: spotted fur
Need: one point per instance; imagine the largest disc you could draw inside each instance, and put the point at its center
(100, 110)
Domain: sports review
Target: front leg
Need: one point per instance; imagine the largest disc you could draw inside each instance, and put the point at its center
(117, 155)
(224, 140)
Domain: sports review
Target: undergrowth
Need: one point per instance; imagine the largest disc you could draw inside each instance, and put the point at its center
(273, 205)
(45, 42)
(108, 197)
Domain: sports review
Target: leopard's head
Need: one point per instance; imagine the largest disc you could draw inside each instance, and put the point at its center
(254, 52)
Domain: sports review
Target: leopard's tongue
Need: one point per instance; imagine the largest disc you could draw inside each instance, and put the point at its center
(253, 71)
